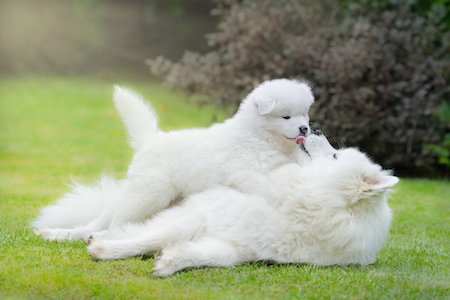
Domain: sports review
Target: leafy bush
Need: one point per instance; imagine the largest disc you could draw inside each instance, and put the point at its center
(424, 6)
(379, 71)
(442, 149)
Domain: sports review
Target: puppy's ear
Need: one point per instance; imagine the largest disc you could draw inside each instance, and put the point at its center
(265, 105)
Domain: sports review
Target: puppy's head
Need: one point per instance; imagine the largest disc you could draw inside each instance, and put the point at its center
(279, 107)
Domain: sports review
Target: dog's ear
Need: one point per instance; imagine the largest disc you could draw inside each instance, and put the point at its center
(369, 186)
(265, 105)
(384, 183)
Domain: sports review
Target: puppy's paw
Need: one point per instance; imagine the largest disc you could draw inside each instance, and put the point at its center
(164, 266)
(51, 234)
(60, 234)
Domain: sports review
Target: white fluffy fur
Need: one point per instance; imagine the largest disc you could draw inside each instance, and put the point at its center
(139, 117)
(80, 206)
(169, 166)
(331, 211)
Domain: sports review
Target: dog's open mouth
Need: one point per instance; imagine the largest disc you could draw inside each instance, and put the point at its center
(302, 146)
(300, 140)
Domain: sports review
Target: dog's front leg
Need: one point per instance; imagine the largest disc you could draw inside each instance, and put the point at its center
(195, 254)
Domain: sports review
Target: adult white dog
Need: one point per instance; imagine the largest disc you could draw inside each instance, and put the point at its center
(169, 166)
(331, 211)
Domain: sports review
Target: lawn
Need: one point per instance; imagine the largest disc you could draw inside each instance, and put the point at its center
(53, 129)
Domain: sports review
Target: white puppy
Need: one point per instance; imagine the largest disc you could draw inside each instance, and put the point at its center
(331, 211)
(169, 166)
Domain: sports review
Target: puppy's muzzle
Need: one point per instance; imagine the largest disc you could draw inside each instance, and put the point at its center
(303, 130)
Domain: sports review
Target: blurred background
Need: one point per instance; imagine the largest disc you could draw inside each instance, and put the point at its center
(98, 36)
(380, 69)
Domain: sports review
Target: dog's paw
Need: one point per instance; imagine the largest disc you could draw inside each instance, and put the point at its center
(106, 250)
(98, 235)
(164, 266)
(98, 251)
(89, 240)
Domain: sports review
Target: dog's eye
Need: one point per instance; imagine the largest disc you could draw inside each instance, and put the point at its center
(287, 117)
(335, 156)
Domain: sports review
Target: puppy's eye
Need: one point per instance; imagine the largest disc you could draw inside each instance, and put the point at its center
(335, 156)
(287, 117)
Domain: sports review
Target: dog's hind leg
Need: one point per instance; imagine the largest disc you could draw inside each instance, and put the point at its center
(133, 239)
(135, 203)
(145, 195)
(204, 252)
(73, 234)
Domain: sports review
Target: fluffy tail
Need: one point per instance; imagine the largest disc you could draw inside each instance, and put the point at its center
(80, 206)
(86, 202)
(139, 117)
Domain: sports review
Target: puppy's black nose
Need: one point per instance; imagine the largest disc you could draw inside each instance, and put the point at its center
(303, 130)
(318, 132)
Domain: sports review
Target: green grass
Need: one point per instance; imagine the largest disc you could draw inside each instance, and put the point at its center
(55, 128)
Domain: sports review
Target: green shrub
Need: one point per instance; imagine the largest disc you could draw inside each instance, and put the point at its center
(442, 149)
(423, 7)
(379, 71)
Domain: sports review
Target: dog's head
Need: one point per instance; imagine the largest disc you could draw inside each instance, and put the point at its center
(279, 107)
(348, 172)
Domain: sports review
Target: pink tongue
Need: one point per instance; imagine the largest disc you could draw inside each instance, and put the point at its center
(300, 139)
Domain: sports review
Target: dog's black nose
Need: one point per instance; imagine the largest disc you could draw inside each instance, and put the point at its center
(303, 130)
(318, 132)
